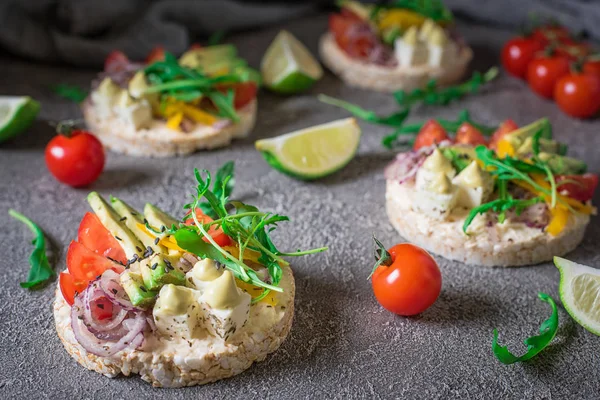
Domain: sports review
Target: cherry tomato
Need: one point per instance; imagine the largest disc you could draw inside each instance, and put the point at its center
(116, 61)
(245, 92)
(93, 235)
(517, 53)
(77, 159)
(544, 72)
(506, 127)
(195, 46)
(69, 287)
(578, 95)
(431, 133)
(592, 67)
(215, 231)
(410, 284)
(550, 33)
(578, 187)
(156, 54)
(353, 35)
(468, 134)
(85, 265)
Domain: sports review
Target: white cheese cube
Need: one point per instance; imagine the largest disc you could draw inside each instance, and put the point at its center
(177, 312)
(226, 307)
(474, 186)
(137, 113)
(105, 97)
(409, 50)
(442, 50)
(438, 198)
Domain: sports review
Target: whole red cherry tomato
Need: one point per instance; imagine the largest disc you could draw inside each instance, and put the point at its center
(517, 53)
(592, 66)
(406, 280)
(116, 61)
(543, 73)
(468, 134)
(578, 95)
(75, 158)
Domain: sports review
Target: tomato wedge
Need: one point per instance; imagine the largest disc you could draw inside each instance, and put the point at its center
(215, 232)
(431, 133)
(468, 134)
(94, 236)
(156, 54)
(116, 61)
(85, 265)
(195, 46)
(102, 308)
(578, 187)
(244, 92)
(506, 127)
(353, 35)
(69, 287)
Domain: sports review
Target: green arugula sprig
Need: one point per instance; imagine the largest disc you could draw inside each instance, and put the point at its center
(393, 140)
(395, 119)
(40, 271)
(70, 92)
(181, 83)
(247, 226)
(535, 344)
(433, 9)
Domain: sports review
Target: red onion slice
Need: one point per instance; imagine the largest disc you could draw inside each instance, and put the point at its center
(109, 283)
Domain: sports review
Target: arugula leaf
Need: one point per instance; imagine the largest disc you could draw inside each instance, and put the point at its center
(223, 186)
(40, 271)
(500, 206)
(535, 344)
(224, 103)
(433, 9)
(70, 92)
(395, 119)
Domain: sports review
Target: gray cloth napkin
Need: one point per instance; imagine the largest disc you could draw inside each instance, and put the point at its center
(83, 32)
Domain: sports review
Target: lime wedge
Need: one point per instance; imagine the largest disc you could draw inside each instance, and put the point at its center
(313, 152)
(580, 293)
(16, 114)
(288, 67)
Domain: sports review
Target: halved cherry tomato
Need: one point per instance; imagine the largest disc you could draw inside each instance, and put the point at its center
(578, 187)
(102, 308)
(517, 53)
(410, 284)
(85, 265)
(506, 127)
(543, 73)
(244, 92)
(156, 54)
(353, 35)
(468, 134)
(69, 287)
(93, 235)
(116, 61)
(195, 46)
(431, 133)
(578, 95)
(215, 231)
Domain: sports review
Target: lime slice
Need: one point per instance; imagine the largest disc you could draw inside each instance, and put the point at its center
(288, 67)
(580, 293)
(16, 114)
(313, 152)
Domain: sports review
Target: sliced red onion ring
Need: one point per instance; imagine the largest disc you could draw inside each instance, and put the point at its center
(109, 283)
(101, 347)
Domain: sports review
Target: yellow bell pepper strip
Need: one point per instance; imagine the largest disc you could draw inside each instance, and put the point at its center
(504, 149)
(256, 291)
(400, 18)
(577, 205)
(558, 222)
(174, 121)
(176, 110)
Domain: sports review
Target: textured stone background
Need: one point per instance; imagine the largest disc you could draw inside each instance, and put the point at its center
(342, 343)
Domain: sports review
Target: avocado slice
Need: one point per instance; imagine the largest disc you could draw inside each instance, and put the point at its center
(139, 295)
(158, 271)
(132, 220)
(208, 55)
(518, 137)
(157, 218)
(545, 145)
(563, 165)
(113, 222)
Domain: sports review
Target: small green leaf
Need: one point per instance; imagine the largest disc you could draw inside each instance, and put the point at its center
(70, 92)
(40, 270)
(535, 344)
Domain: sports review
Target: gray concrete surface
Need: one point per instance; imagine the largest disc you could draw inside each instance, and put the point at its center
(342, 345)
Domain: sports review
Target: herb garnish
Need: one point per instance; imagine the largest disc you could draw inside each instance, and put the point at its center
(70, 92)
(534, 344)
(433, 9)
(186, 84)
(247, 226)
(40, 271)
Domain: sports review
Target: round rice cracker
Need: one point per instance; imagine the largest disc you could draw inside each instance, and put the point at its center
(384, 79)
(525, 246)
(206, 360)
(160, 141)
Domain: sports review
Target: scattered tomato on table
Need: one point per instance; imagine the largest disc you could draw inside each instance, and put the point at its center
(544, 71)
(406, 279)
(517, 53)
(74, 157)
(578, 94)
